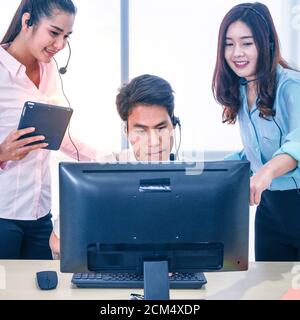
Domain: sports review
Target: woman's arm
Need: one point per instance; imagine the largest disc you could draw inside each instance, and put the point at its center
(274, 168)
(54, 241)
(85, 152)
(54, 244)
(287, 158)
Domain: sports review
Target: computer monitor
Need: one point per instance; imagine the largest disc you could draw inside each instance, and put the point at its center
(118, 217)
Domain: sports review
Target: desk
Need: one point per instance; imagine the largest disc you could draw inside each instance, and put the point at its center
(262, 281)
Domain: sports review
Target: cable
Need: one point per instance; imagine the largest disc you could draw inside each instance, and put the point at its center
(64, 69)
(280, 141)
(297, 187)
(69, 104)
(172, 155)
(281, 134)
(177, 148)
(179, 144)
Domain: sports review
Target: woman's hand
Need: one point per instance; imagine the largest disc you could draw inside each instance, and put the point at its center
(274, 168)
(13, 149)
(259, 183)
(54, 244)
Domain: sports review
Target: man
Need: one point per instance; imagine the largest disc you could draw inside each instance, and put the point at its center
(146, 106)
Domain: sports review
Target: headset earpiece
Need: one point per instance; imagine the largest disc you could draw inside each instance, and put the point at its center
(29, 22)
(252, 8)
(124, 127)
(175, 121)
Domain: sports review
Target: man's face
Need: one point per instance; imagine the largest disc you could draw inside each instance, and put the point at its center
(150, 132)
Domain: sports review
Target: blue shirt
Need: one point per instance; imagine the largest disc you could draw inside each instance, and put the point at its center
(263, 139)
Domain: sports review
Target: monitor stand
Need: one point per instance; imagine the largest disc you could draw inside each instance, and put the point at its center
(156, 280)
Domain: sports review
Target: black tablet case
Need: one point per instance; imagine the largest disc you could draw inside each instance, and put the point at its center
(49, 120)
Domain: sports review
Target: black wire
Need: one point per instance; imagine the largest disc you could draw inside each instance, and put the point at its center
(280, 141)
(281, 134)
(297, 187)
(69, 104)
(70, 51)
(179, 144)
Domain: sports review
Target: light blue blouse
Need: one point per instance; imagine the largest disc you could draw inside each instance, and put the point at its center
(263, 139)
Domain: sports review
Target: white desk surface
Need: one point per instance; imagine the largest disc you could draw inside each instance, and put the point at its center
(262, 281)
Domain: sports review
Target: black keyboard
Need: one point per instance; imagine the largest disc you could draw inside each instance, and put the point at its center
(131, 280)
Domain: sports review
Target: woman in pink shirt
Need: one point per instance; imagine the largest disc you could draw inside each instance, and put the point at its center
(28, 72)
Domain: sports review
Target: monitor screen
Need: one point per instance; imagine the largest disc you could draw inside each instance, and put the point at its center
(115, 216)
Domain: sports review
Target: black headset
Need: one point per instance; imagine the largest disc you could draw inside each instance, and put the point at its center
(30, 21)
(244, 81)
(175, 121)
(63, 70)
(280, 143)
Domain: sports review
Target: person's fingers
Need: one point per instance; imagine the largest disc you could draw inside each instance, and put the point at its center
(54, 245)
(252, 192)
(257, 197)
(252, 196)
(24, 142)
(25, 150)
(16, 134)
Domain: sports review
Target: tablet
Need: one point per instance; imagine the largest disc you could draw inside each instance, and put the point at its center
(48, 120)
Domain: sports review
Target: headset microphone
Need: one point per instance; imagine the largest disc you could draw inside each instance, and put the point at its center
(244, 81)
(172, 157)
(63, 70)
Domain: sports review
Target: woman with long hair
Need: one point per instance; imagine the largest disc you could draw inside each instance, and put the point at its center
(28, 72)
(258, 88)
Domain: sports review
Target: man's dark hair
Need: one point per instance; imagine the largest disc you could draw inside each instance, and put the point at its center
(147, 90)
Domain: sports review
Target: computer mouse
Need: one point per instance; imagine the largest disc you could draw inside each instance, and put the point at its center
(46, 280)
